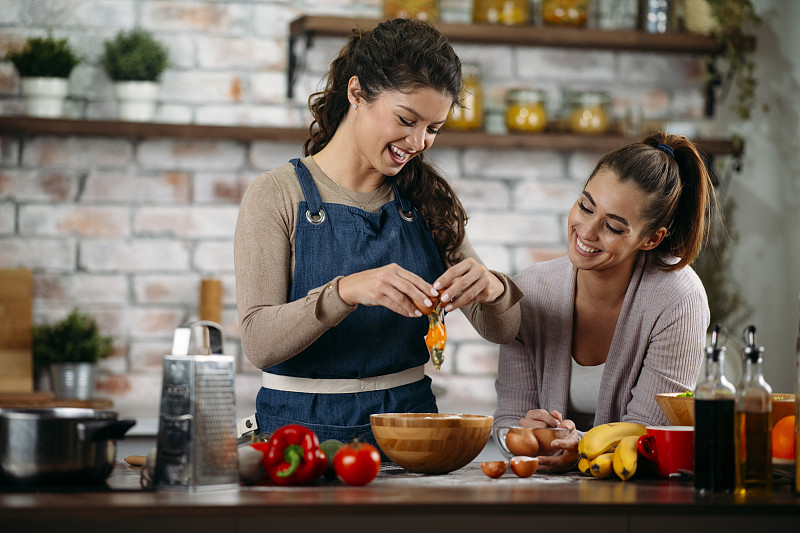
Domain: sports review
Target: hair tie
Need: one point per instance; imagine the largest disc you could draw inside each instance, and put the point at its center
(667, 149)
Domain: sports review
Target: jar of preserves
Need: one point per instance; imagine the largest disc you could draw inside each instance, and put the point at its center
(468, 116)
(411, 9)
(588, 111)
(525, 110)
(565, 12)
(508, 12)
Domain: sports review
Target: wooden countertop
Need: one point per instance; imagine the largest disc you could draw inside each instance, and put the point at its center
(397, 500)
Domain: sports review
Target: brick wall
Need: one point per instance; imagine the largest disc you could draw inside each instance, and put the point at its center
(127, 228)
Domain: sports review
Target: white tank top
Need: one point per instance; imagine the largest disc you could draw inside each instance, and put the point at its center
(584, 387)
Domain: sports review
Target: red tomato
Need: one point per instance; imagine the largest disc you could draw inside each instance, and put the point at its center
(357, 463)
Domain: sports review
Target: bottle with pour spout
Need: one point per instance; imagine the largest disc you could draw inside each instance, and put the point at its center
(753, 422)
(714, 402)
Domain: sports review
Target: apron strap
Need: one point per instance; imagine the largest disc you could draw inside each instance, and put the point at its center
(406, 209)
(310, 191)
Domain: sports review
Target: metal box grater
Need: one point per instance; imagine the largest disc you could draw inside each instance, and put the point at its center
(196, 444)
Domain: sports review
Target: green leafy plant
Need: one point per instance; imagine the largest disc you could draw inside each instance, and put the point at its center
(74, 339)
(46, 57)
(134, 56)
(734, 66)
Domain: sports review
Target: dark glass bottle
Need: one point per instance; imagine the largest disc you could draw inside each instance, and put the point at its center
(753, 422)
(714, 401)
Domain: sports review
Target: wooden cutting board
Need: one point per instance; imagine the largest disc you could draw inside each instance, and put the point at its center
(16, 357)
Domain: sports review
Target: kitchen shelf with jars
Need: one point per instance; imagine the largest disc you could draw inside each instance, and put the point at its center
(551, 140)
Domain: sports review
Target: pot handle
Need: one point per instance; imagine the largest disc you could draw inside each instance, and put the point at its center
(183, 334)
(94, 430)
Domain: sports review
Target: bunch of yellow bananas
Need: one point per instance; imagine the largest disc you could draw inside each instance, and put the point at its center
(610, 447)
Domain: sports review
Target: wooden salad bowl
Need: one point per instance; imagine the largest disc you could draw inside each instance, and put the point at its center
(431, 443)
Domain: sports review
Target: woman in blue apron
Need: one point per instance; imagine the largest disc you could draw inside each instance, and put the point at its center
(333, 250)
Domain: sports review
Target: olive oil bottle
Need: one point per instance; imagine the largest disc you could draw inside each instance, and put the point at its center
(753, 423)
(714, 402)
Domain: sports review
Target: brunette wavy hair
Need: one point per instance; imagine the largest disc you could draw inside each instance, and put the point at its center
(680, 191)
(398, 55)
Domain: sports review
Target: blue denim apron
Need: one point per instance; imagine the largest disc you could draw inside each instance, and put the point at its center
(370, 341)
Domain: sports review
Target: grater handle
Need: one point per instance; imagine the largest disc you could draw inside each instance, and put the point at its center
(183, 334)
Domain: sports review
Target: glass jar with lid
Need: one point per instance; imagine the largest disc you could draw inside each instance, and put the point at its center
(565, 12)
(508, 12)
(588, 111)
(525, 110)
(469, 115)
(412, 9)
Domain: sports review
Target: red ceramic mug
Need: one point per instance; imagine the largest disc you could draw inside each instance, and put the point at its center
(670, 448)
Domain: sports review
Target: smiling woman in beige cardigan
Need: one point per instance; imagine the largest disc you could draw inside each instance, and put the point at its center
(623, 316)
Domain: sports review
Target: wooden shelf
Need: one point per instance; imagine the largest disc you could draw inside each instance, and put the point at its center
(525, 35)
(562, 142)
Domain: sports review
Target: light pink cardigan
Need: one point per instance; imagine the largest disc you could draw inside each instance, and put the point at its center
(657, 345)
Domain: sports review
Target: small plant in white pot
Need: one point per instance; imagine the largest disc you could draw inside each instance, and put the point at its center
(44, 66)
(134, 60)
(71, 349)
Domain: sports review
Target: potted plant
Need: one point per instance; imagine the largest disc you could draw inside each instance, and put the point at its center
(44, 64)
(134, 60)
(71, 349)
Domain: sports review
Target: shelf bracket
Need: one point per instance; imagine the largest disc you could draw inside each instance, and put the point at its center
(296, 62)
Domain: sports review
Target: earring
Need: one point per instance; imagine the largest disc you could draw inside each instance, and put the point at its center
(355, 106)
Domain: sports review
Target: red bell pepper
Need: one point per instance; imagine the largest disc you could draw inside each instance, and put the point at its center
(293, 456)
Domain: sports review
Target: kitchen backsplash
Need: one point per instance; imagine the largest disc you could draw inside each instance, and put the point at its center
(127, 228)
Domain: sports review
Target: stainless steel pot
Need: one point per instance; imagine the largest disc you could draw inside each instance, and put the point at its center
(58, 446)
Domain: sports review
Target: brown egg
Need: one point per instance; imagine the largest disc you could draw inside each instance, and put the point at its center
(522, 441)
(524, 466)
(427, 310)
(494, 469)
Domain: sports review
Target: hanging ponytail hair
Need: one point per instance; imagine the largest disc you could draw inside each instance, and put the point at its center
(671, 171)
(398, 55)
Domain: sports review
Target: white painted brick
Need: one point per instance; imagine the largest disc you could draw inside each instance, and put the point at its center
(549, 197)
(57, 255)
(688, 103)
(153, 322)
(214, 256)
(76, 152)
(12, 11)
(266, 155)
(674, 70)
(513, 164)
(565, 65)
(182, 50)
(80, 289)
(273, 19)
(147, 355)
(269, 87)
(513, 228)
(220, 187)
(200, 87)
(8, 78)
(465, 394)
(49, 220)
(178, 154)
(49, 185)
(477, 194)
(581, 164)
(141, 255)
(445, 161)
(215, 18)
(319, 56)
(8, 216)
(496, 62)
(191, 222)
(494, 257)
(477, 358)
(253, 115)
(175, 114)
(166, 289)
(9, 151)
(525, 256)
(220, 53)
(124, 186)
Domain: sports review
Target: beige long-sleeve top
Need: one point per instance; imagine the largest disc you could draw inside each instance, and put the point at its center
(273, 329)
(657, 345)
